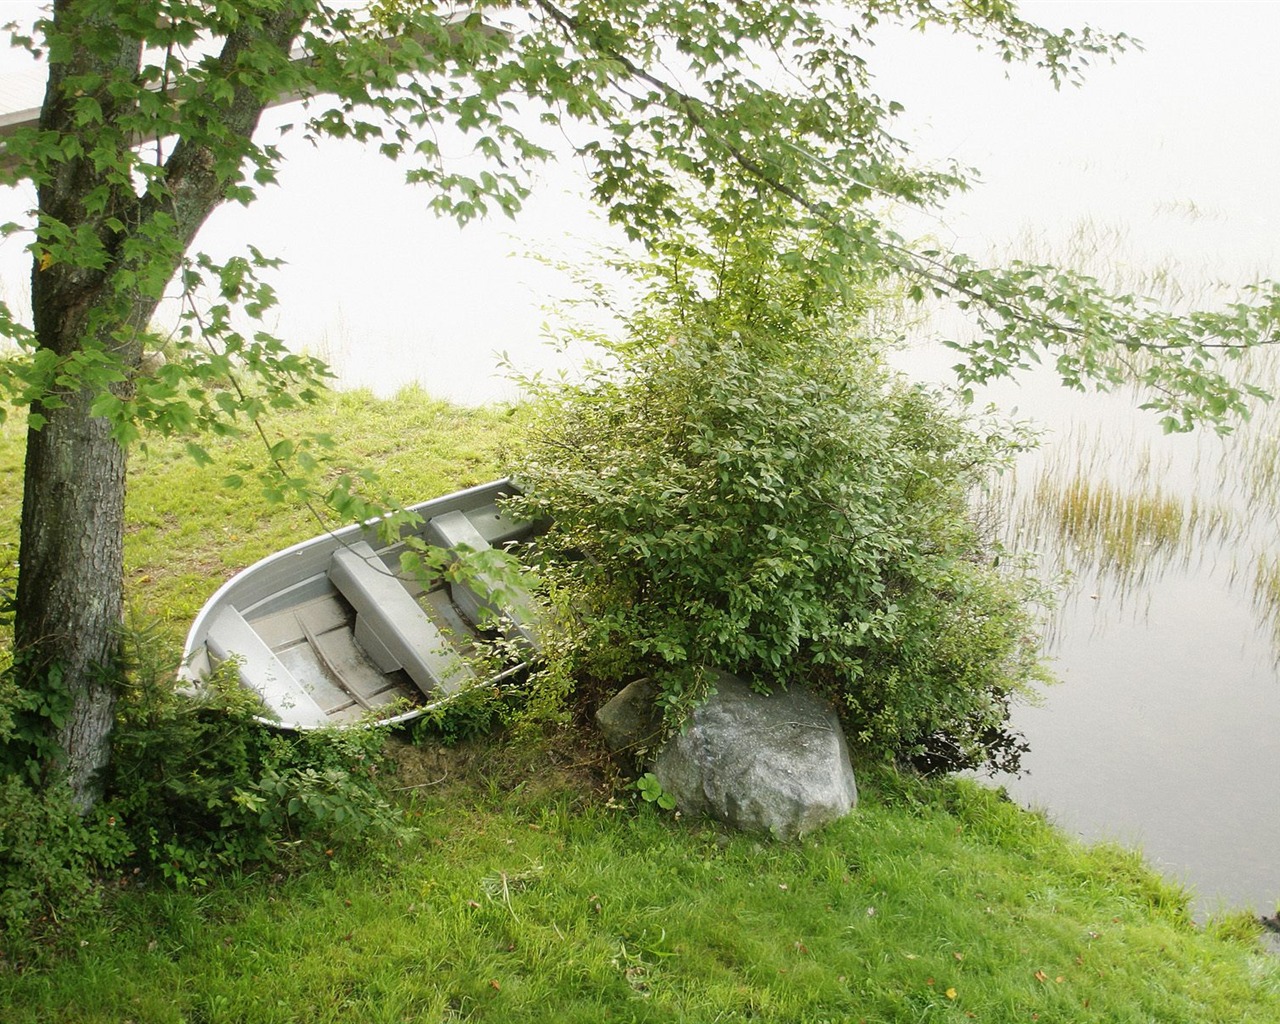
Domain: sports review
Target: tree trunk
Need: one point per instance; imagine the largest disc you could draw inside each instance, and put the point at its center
(70, 585)
(70, 595)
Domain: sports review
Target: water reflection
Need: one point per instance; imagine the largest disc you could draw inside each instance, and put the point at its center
(1165, 729)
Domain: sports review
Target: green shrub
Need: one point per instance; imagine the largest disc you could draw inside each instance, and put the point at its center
(202, 786)
(745, 485)
(472, 713)
(51, 860)
(197, 785)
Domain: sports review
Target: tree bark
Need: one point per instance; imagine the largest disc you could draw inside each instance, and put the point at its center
(70, 583)
(70, 594)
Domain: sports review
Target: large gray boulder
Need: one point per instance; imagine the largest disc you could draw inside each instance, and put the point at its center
(776, 763)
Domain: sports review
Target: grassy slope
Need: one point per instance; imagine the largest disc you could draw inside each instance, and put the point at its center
(526, 895)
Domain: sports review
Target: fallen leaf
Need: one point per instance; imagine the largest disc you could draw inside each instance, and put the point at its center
(1041, 976)
(958, 956)
(493, 984)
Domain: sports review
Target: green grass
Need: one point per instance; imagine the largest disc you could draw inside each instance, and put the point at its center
(527, 897)
(530, 890)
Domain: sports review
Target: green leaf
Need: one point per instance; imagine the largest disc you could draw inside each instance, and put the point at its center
(198, 454)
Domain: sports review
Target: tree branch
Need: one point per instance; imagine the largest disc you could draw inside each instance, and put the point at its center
(198, 170)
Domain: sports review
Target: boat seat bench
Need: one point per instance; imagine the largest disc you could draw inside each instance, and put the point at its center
(231, 636)
(390, 625)
(454, 530)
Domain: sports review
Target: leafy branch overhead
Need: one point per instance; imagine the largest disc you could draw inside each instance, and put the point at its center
(743, 102)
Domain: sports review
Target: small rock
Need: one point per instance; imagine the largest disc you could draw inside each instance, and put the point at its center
(631, 721)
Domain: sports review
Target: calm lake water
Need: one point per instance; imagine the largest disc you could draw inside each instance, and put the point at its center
(1165, 728)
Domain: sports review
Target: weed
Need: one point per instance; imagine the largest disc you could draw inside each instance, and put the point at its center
(204, 787)
(651, 792)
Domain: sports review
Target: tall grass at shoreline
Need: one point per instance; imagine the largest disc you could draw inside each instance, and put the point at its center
(1107, 495)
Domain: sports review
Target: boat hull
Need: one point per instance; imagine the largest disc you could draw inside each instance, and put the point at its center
(329, 633)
